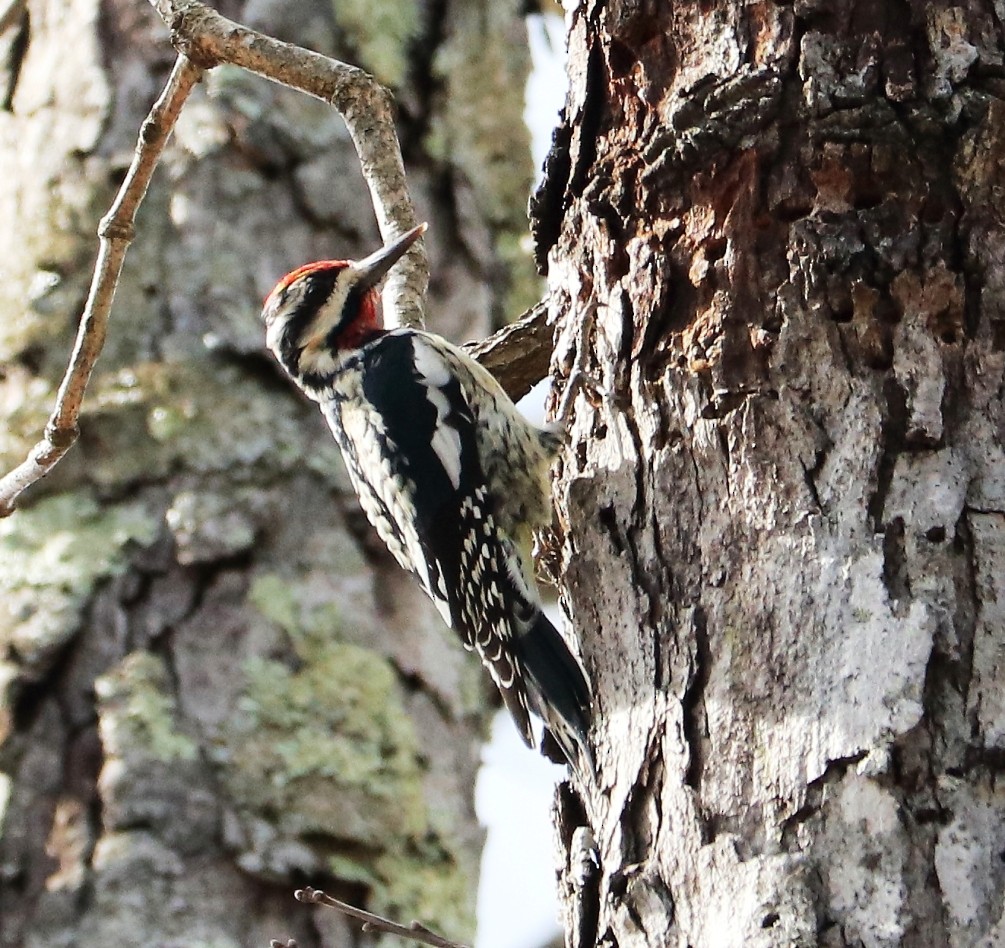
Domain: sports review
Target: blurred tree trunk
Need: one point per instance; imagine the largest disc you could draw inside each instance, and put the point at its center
(213, 682)
(776, 258)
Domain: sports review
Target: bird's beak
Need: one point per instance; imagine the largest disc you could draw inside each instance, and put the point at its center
(372, 269)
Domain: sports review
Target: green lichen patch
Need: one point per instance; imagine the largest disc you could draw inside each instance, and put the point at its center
(328, 745)
(277, 600)
(325, 749)
(483, 63)
(380, 31)
(477, 128)
(137, 712)
(210, 525)
(319, 606)
(53, 554)
(429, 884)
(421, 881)
(157, 418)
(210, 421)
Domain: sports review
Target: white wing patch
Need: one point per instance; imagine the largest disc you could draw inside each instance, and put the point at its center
(446, 440)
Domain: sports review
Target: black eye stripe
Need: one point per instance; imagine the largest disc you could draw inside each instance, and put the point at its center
(312, 291)
(318, 287)
(350, 308)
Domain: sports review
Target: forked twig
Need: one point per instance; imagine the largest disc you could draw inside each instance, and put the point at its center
(116, 232)
(517, 355)
(367, 107)
(371, 923)
(205, 39)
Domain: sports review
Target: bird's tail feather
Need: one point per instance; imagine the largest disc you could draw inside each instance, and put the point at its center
(558, 690)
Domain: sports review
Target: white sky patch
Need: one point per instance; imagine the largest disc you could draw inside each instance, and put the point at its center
(517, 907)
(517, 903)
(547, 84)
(532, 404)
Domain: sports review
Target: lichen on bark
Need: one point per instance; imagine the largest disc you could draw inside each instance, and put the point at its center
(211, 678)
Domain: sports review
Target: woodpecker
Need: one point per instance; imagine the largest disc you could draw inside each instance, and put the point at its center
(451, 475)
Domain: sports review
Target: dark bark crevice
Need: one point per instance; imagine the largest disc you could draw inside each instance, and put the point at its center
(692, 709)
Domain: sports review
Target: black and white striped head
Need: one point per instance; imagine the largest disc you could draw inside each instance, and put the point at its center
(327, 307)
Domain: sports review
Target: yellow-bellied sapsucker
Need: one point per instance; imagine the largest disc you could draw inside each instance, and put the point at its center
(451, 475)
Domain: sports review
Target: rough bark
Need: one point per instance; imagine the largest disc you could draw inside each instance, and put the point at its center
(776, 265)
(213, 683)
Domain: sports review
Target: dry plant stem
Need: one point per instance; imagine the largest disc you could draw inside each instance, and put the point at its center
(116, 231)
(376, 923)
(367, 107)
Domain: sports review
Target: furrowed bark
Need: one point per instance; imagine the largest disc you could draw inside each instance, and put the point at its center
(775, 270)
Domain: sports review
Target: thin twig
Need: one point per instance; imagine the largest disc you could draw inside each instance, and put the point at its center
(518, 354)
(366, 106)
(116, 232)
(374, 923)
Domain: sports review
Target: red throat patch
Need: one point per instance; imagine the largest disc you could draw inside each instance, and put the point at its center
(366, 324)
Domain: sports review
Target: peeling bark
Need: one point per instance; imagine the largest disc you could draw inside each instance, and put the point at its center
(776, 261)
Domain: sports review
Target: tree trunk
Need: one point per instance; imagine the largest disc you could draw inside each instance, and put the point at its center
(776, 258)
(214, 684)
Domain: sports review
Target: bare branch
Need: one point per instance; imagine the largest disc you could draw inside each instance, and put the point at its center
(367, 107)
(518, 355)
(373, 923)
(116, 231)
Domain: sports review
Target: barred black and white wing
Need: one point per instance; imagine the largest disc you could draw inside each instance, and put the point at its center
(412, 448)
